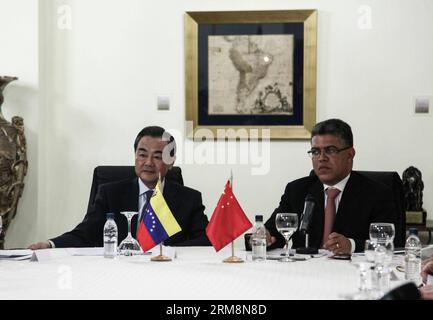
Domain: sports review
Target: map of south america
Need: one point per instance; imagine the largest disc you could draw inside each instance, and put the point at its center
(250, 74)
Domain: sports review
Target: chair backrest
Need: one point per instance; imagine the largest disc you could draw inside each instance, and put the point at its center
(393, 181)
(105, 174)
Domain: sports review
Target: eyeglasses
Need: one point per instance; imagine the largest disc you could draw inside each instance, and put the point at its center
(329, 151)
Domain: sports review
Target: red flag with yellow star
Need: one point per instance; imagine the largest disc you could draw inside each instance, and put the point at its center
(228, 220)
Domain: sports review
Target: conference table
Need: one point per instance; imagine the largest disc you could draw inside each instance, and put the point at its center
(196, 273)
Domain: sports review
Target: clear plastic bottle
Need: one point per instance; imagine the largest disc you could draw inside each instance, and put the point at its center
(110, 237)
(412, 257)
(258, 240)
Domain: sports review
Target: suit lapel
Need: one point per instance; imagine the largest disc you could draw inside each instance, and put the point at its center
(316, 190)
(349, 203)
(171, 196)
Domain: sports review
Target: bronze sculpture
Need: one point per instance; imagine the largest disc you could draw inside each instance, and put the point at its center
(413, 187)
(13, 163)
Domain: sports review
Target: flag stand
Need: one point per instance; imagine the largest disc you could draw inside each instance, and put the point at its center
(160, 257)
(233, 258)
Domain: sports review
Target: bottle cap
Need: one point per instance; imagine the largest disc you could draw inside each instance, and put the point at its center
(110, 215)
(413, 231)
(259, 218)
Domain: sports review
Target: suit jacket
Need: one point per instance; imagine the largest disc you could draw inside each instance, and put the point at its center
(185, 204)
(362, 202)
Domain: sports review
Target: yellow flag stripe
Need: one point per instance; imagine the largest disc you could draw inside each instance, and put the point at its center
(164, 213)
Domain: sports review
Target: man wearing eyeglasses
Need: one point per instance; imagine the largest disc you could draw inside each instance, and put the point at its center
(346, 202)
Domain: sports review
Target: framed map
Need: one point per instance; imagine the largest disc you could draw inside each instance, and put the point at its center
(251, 70)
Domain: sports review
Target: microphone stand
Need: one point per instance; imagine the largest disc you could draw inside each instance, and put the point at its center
(307, 249)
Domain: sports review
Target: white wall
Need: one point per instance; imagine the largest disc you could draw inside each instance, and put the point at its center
(99, 81)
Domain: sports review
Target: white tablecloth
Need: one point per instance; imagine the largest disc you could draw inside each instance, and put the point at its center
(196, 273)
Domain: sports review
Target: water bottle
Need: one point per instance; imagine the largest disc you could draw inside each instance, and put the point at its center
(412, 257)
(110, 237)
(258, 240)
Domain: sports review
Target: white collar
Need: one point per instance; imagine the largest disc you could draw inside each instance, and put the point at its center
(142, 188)
(340, 185)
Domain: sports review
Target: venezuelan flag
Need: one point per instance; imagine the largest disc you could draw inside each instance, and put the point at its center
(157, 222)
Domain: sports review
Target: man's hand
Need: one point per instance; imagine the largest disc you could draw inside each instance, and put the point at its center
(427, 270)
(39, 245)
(427, 292)
(338, 244)
(269, 239)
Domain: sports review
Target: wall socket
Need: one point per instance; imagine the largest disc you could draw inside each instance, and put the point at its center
(422, 105)
(163, 103)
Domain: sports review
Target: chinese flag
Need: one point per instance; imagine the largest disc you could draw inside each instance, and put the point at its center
(228, 220)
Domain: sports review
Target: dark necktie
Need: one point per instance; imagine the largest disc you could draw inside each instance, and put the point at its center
(147, 196)
(330, 212)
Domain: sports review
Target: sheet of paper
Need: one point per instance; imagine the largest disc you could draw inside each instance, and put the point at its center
(57, 253)
(49, 254)
(276, 254)
(17, 254)
(98, 251)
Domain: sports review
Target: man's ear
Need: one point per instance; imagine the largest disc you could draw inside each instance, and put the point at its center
(352, 153)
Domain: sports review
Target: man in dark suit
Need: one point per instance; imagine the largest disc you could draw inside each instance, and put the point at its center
(358, 200)
(154, 155)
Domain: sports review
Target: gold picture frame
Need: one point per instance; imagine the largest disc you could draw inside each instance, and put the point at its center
(229, 56)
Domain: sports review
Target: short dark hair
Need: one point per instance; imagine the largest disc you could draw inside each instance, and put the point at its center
(156, 132)
(335, 127)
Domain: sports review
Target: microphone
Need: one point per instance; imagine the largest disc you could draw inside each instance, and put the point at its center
(307, 217)
(307, 214)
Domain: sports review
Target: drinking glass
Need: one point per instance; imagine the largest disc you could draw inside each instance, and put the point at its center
(364, 265)
(129, 246)
(382, 232)
(373, 282)
(370, 247)
(286, 224)
(364, 285)
(381, 275)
